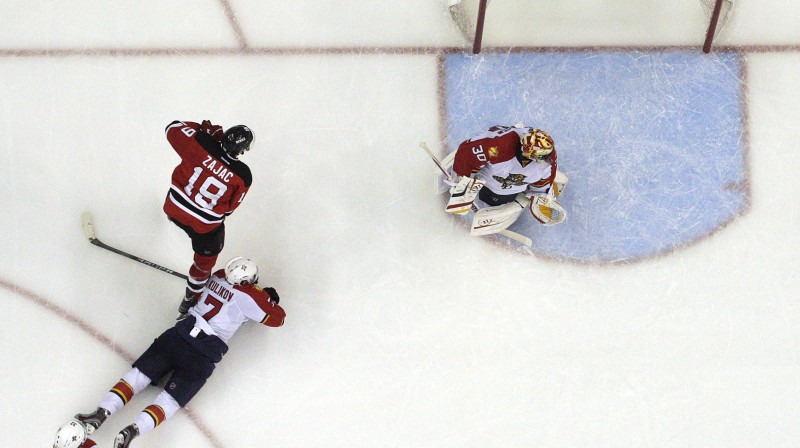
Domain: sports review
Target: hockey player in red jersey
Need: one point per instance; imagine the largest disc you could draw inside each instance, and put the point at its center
(190, 350)
(207, 186)
(507, 169)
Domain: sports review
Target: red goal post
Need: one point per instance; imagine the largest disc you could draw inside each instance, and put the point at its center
(720, 12)
(472, 31)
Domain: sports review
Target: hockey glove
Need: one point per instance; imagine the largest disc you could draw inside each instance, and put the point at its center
(212, 130)
(547, 210)
(273, 295)
(463, 194)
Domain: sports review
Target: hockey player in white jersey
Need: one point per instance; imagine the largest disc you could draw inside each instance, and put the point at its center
(190, 350)
(508, 169)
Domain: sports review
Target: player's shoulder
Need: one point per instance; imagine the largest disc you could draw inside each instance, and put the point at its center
(212, 146)
(217, 280)
(256, 293)
(243, 171)
(251, 290)
(502, 147)
(240, 168)
(177, 125)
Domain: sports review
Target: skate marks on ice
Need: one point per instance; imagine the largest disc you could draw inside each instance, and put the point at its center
(103, 339)
(654, 142)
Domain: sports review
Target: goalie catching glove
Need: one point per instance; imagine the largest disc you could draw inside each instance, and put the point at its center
(547, 210)
(463, 194)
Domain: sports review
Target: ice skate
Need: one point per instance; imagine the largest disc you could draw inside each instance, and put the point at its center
(189, 300)
(93, 420)
(123, 439)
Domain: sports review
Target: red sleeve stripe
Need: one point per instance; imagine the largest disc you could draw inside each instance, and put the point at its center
(541, 182)
(156, 413)
(123, 390)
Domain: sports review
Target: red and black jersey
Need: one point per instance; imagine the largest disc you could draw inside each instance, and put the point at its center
(493, 157)
(490, 147)
(208, 184)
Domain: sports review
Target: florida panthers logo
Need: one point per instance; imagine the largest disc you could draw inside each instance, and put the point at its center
(511, 180)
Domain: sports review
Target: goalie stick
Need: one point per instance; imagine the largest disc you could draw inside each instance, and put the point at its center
(425, 148)
(88, 228)
(522, 239)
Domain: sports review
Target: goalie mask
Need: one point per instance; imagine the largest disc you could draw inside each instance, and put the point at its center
(241, 271)
(536, 145)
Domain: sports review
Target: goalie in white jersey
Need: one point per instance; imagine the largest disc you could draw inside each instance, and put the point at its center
(508, 169)
(190, 350)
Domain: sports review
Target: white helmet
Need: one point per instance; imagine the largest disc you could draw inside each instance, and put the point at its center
(241, 271)
(71, 435)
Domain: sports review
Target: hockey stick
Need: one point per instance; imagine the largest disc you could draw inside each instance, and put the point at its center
(522, 239)
(518, 237)
(425, 148)
(88, 228)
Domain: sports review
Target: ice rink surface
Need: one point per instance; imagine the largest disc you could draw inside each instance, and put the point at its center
(401, 330)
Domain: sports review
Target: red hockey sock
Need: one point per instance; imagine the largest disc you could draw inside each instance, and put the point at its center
(200, 272)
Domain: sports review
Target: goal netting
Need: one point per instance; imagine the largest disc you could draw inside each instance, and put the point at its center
(718, 12)
(469, 20)
(468, 16)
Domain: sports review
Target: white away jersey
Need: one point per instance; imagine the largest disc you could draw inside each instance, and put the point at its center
(222, 308)
(510, 177)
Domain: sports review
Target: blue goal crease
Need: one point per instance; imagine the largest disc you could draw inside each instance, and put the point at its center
(651, 141)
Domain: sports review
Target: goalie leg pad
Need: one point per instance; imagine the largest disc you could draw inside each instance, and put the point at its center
(495, 219)
(463, 194)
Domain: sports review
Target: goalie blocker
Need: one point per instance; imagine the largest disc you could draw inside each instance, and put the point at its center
(463, 194)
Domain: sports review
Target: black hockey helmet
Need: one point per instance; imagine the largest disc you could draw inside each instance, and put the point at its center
(237, 139)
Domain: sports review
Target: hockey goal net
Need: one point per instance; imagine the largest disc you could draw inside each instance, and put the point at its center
(470, 19)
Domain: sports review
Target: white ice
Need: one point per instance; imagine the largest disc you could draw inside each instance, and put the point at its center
(402, 331)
